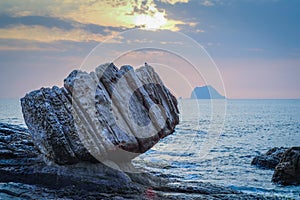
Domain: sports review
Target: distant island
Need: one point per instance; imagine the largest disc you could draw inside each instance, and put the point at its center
(206, 92)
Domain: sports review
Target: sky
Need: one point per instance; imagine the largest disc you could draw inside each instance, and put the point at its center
(244, 48)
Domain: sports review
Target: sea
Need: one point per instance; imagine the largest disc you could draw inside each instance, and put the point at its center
(216, 141)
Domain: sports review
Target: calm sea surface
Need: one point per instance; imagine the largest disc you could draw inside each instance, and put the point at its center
(216, 145)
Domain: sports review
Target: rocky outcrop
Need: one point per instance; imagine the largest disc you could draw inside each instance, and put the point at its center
(284, 161)
(287, 172)
(109, 114)
(23, 171)
(25, 175)
(270, 159)
(206, 92)
(16, 146)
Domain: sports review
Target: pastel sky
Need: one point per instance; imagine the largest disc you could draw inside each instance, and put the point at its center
(254, 43)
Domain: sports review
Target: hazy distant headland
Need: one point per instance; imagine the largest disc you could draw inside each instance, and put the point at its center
(206, 92)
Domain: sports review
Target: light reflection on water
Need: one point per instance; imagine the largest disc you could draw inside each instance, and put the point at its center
(251, 127)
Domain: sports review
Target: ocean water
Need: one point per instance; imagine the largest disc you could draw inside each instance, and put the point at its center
(11, 112)
(250, 127)
(216, 141)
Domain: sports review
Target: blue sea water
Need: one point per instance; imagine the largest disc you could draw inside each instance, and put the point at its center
(217, 145)
(11, 112)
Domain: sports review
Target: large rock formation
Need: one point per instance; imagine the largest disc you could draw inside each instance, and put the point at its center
(270, 159)
(284, 161)
(287, 172)
(109, 114)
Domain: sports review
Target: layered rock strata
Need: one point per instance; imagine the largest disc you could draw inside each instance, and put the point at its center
(110, 114)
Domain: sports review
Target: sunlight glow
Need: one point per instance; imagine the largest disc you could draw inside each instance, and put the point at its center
(122, 14)
(149, 22)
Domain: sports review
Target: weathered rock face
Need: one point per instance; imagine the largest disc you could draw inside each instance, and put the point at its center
(287, 172)
(107, 114)
(16, 144)
(270, 159)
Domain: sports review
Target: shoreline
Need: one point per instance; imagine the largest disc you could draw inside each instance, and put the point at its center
(24, 171)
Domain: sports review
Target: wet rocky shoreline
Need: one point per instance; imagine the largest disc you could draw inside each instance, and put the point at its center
(284, 161)
(26, 175)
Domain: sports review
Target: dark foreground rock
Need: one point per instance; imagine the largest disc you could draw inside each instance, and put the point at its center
(270, 159)
(287, 172)
(25, 175)
(284, 161)
(110, 114)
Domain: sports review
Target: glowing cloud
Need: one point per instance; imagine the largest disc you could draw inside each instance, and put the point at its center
(126, 14)
(174, 1)
(43, 34)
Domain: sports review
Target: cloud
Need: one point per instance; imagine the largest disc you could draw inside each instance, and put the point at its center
(207, 3)
(50, 22)
(199, 31)
(124, 14)
(174, 1)
(28, 48)
(44, 34)
(7, 21)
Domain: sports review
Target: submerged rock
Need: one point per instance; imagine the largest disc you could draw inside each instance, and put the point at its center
(270, 159)
(287, 172)
(109, 114)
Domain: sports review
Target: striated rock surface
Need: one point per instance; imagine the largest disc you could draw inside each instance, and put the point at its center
(25, 175)
(109, 114)
(287, 172)
(270, 159)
